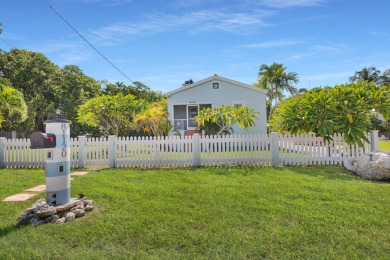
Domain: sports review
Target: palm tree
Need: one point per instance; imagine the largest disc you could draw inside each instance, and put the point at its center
(384, 79)
(188, 82)
(302, 90)
(276, 80)
(367, 74)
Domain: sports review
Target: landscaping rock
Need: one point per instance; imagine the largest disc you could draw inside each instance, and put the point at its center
(25, 217)
(78, 213)
(60, 221)
(371, 166)
(46, 211)
(70, 216)
(88, 208)
(55, 218)
(41, 213)
(88, 202)
(36, 221)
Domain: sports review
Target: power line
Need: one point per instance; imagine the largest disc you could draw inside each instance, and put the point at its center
(7, 43)
(90, 44)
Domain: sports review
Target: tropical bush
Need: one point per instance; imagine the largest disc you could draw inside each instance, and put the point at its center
(342, 109)
(222, 119)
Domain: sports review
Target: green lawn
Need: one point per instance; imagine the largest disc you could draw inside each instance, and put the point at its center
(213, 213)
(384, 145)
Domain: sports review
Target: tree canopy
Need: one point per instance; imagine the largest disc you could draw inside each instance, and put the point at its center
(13, 109)
(37, 78)
(46, 87)
(139, 90)
(112, 114)
(154, 119)
(76, 89)
(342, 109)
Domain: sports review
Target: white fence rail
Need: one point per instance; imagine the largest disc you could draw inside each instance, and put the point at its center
(188, 151)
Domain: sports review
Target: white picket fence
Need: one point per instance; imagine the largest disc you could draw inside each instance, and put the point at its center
(188, 151)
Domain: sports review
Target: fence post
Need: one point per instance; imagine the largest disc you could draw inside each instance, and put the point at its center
(196, 150)
(81, 145)
(112, 151)
(275, 149)
(2, 152)
(374, 140)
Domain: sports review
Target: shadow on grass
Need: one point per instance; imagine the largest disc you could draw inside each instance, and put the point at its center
(11, 228)
(331, 172)
(328, 172)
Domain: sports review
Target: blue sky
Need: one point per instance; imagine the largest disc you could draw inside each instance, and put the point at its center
(164, 43)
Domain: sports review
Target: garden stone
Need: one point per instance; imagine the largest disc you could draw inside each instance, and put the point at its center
(371, 166)
(88, 208)
(60, 221)
(41, 213)
(78, 213)
(70, 216)
(46, 211)
(55, 218)
(25, 217)
(36, 221)
(88, 202)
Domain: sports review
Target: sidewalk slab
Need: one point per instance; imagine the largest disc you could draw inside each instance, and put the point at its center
(78, 173)
(38, 188)
(19, 197)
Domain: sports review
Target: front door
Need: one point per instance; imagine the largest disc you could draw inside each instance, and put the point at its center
(192, 112)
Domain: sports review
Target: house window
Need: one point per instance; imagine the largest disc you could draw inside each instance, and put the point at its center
(216, 85)
(238, 103)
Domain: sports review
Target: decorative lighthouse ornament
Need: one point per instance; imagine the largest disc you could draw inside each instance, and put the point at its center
(56, 141)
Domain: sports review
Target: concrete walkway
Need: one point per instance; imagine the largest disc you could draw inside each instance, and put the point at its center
(35, 191)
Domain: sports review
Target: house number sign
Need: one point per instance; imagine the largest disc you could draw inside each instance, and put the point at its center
(63, 128)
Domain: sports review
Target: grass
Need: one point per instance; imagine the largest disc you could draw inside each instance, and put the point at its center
(384, 145)
(214, 213)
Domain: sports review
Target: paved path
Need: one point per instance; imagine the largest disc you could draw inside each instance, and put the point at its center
(35, 190)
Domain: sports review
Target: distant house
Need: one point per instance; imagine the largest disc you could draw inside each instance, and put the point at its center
(185, 102)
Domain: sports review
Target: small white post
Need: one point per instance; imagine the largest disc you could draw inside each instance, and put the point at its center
(112, 151)
(13, 134)
(374, 140)
(196, 150)
(275, 148)
(3, 140)
(81, 145)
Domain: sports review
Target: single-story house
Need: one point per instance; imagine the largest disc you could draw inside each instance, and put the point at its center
(185, 102)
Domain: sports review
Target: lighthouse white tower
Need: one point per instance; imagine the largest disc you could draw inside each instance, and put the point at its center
(58, 160)
(56, 141)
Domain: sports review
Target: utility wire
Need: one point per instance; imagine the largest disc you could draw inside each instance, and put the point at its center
(7, 43)
(90, 44)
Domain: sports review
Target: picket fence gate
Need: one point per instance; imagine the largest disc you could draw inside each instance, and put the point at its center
(188, 151)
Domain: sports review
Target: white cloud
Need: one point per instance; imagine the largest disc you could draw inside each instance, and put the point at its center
(105, 2)
(318, 51)
(196, 21)
(272, 44)
(328, 76)
(66, 53)
(291, 3)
